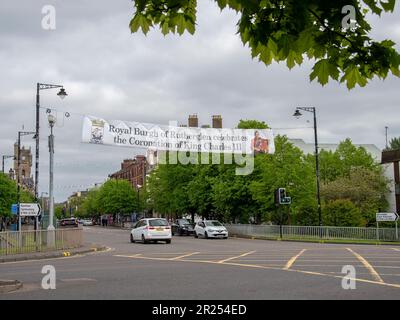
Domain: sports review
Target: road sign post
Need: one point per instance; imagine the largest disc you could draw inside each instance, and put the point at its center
(386, 217)
(29, 209)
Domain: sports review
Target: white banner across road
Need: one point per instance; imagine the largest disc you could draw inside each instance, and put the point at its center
(172, 138)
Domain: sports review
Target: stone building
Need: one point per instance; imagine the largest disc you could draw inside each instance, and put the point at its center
(25, 168)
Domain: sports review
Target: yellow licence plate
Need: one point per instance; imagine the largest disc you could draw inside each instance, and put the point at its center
(160, 229)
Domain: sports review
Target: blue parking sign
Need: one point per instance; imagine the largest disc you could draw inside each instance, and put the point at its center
(14, 209)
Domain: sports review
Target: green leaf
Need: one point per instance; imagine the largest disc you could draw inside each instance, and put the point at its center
(321, 70)
(353, 76)
(181, 24)
(388, 6)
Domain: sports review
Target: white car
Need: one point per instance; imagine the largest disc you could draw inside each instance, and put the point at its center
(151, 229)
(210, 229)
(87, 222)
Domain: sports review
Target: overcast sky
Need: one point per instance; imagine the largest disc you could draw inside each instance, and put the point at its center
(111, 73)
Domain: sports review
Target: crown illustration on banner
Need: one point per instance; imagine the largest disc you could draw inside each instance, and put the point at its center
(98, 123)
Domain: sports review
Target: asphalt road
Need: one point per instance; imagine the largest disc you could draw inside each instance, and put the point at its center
(211, 269)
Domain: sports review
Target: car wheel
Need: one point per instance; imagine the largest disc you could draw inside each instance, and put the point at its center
(195, 235)
(205, 235)
(132, 240)
(225, 238)
(144, 239)
(168, 241)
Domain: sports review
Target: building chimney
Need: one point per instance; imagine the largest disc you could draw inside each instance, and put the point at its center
(193, 121)
(217, 122)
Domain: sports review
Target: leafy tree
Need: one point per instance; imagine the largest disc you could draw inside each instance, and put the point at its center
(287, 168)
(394, 144)
(8, 194)
(117, 196)
(90, 204)
(366, 189)
(340, 162)
(252, 124)
(290, 30)
(342, 213)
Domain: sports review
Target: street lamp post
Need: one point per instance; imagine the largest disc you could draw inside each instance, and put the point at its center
(298, 114)
(43, 206)
(138, 187)
(2, 164)
(18, 172)
(62, 94)
(50, 228)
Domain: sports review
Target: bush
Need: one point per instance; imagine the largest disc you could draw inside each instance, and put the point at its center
(342, 213)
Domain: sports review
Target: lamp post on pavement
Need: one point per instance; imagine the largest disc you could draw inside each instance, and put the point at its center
(4, 158)
(62, 94)
(138, 187)
(43, 206)
(50, 228)
(298, 114)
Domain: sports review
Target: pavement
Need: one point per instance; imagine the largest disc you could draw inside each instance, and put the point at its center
(86, 248)
(190, 268)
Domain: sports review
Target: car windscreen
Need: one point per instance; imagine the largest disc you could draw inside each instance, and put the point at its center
(213, 224)
(183, 222)
(158, 222)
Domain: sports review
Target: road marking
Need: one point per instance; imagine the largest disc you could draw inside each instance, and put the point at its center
(126, 256)
(367, 265)
(268, 268)
(293, 260)
(236, 257)
(78, 280)
(185, 255)
(396, 249)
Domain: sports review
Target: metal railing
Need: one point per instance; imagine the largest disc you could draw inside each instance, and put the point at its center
(14, 242)
(313, 232)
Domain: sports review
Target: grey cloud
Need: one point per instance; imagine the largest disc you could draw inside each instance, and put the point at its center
(114, 74)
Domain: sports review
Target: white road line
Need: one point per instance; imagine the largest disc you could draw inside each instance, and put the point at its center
(128, 256)
(185, 255)
(293, 260)
(236, 257)
(273, 268)
(396, 249)
(368, 266)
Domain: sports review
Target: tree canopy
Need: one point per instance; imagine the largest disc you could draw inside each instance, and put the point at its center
(8, 195)
(353, 187)
(394, 144)
(291, 30)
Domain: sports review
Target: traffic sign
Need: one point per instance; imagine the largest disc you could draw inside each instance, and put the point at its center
(29, 209)
(387, 217)
(14, 209)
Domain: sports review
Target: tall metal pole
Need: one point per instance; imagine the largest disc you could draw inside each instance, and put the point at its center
(2, 165)
(317, 168)
(18, 179)
(51, 198)
(50, 228)
(386, 135)
(37, 140)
